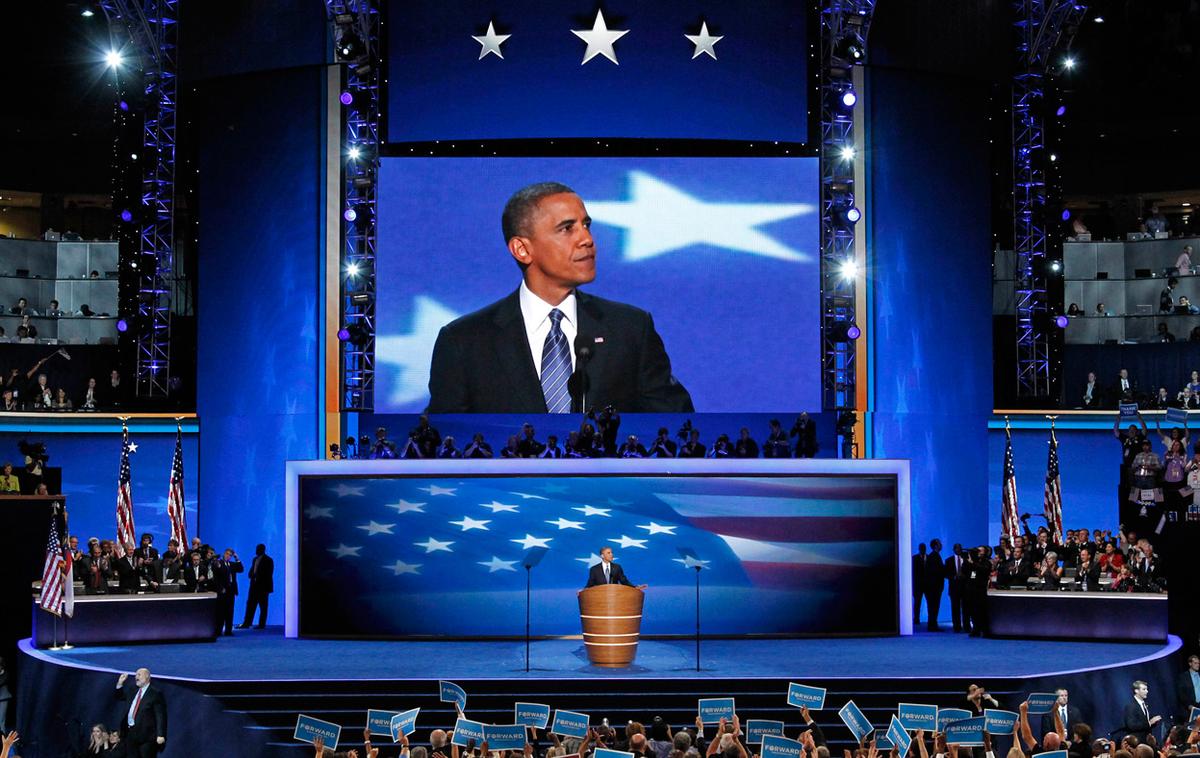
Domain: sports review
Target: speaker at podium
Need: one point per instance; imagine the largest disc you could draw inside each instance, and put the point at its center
(611, 615)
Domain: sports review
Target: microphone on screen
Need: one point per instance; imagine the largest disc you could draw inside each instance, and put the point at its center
(578, 384)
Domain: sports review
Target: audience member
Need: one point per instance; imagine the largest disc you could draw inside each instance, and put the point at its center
(805, 432)
(144, 723)
(262, 584)
(1136, 720)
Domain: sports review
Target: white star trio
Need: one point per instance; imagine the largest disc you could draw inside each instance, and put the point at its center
(600, 40)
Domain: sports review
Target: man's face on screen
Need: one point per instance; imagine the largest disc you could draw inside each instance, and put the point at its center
(559, 250)
(606, 555)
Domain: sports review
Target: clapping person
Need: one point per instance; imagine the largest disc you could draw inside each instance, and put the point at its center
(448, 450)
(196, 576)
(95, 570)
(631, 448)
(745, 447)
(478, 448)
(527, 444)
(552, 450)
(510, 450)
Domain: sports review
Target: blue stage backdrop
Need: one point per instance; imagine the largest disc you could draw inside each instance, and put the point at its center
(721, 251)
(440, 87)
(444, 555)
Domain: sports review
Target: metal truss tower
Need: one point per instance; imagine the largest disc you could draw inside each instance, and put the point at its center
(356, 27)
(844, 26)
(148, 30)
(1043, 27)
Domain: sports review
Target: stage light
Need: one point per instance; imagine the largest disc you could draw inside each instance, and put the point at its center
(1069, 63)
(349, 46)
(853, 214)
(122, 325)
(849, 269)
(343, 334)
(350, 215)
(113, 59)
(123, 105)
(352, 269)
(346, 98)
(1066, 214)
(849, 49)
(354, 152)
(844, 331)
(1053, 157)
(1062, 109)
(853, 332)
(1056, 266)
(1098, 19)
(126, 216)
(87, 12)
(849, 98)
(847, 153)
(1061, 322)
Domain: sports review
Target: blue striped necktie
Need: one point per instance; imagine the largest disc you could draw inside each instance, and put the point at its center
(556, 367)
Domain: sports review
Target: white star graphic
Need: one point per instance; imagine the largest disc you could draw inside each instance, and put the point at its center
(495, 564)
(527, 496)
(314, 511)
(530, 541)
(410, 353)
(658, 218)
(491, 42)
(654, 528)
(563, 523)
(432, 546)
(403, 506)
(469, 523)
(592, 560)
(374, 528)
(400, 567)
(703, 41)
(499, 507)
(343, 550)
(692, 562)
(433, 490)
(132, 447)
(347, 490)
(627, 542)
(588, 510)
(599, 39)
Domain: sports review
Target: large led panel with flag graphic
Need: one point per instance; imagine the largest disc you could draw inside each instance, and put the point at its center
(785, 549)
(721, 251)
(714, 69)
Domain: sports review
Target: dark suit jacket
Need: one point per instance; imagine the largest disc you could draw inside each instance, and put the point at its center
(616, 575)
(262, 576)
(481, 362)
(128, 577)
(150, 722)
(1134, 722)
(1074, 716)
(1186, 693)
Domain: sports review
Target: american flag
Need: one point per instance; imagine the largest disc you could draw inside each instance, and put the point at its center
(1052, 503)
(58, 591)
(1010, 522)
(124, 496)
(175, 504)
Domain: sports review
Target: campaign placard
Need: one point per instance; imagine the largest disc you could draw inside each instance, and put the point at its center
(1041, 702)
(403, 724)
(570, 724)
(452, 693)
(801, 695)
(781, 747)
(897, 735)
(882, 743)
(1051, 754)
(914, 717)
(1128, 411)
(1177, 415)
(855, 720)
(309, 728)
(966, 732)
(531, 714)
(505, 736)
(756, 729)
(1195, 714)
(950, 715)
(466, 730)
(380, 722)
(603, 752)
(713, 709)
(997, 721)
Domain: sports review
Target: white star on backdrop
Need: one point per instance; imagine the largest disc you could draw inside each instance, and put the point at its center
(563, 523)
(530, 541)
(410, 352)
(347, 490)
(692, 562)
(588, 510)
(374, 528)
(599, 39)
(495, 564)
(469, 523)
(654, 528)
(432, 546)
(314, 511)
(527, 496)
(343, 550)
(659, 218)
(703, 41)
(132, 447)
(499, 507)
(403, 506)
(491, 42)
(628, 542)
(400, 567)
(592, 560)
(434, 490)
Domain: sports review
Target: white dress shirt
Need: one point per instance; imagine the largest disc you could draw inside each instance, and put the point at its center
(536, 314)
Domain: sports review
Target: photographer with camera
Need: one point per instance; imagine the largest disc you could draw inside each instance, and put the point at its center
(663, 446)
(608, 421)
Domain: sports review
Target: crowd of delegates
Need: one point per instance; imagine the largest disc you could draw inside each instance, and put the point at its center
(1154, 490)
(597, 437)
(1124, 388)
(103, 569)
(27, 331)
(31, 390)
(1085, 561)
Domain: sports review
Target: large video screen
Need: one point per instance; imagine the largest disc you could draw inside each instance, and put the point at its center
(443, 555)
(722, 253)
(714, 69)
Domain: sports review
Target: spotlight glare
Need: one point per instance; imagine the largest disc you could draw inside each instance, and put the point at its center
(350, 214)
(1053, 157)
(352, 269)
(1098, 19)
(122, 325)
(853, 214)
(346, 98)
(1062, 109)
(113, 59)
(849, 269)
(1061, 322)
(354, 153)
(1066, 214)
(1056, 266)
(853, 332)
(343, 334)
(849, 98)
(87, 12)
(847, 153)
(1069, 62)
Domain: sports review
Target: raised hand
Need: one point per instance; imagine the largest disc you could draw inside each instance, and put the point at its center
(319, 744)
(121, 680)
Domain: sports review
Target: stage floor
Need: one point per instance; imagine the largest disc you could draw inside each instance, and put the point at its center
(267, 655)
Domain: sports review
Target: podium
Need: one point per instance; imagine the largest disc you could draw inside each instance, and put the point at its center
(611, 615)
